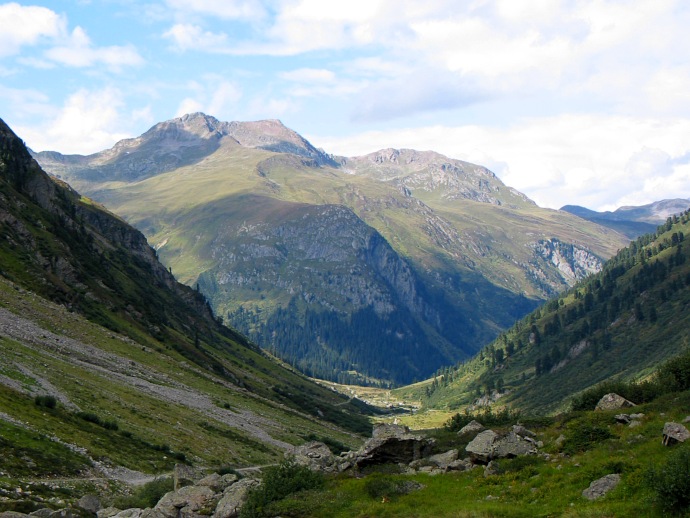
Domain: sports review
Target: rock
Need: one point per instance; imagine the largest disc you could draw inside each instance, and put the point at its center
(470, 430)
(108, 512)
(600, 487)
(234, 498)
(186, 502)
(674, 433)
(184, 475)
(622, 418)
(443, 460)
(481, 448)
(315, 455)
(687, 419)
(560, 440)
(520, 430)
(129, 513)
(90, 503)
(489, 445)
(392, 444)
(613, 401)
(12, 514)
(46, 512)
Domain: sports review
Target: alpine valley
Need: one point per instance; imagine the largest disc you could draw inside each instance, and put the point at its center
(376, 269)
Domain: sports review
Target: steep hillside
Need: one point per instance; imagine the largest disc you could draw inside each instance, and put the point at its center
(106, 356)
(632, 221)
(340, 265)
(618, 324)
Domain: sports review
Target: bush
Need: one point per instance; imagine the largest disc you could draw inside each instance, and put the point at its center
(487, 417)
(147, 495)
(46, 401)
(583, 435)
(671, 482)
(279, 481)
(383, 486)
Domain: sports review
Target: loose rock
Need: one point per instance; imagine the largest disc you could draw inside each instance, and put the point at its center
(600, 487)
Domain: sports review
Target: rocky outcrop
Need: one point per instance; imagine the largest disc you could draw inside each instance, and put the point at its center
(674, 433)
(613, 401)
(316, 456)
(600, 487)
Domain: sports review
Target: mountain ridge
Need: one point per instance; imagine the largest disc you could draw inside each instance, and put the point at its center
(453, 223)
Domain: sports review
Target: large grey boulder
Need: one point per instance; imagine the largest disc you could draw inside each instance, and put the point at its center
(443, 460)
(234, 498)
(600, 487)
(489, 445)
(316, 456)
(187, 502)
(89, 503)
(392, 444)
(184, 475)
(470, 430)
(108, 512)
(613, 401)
(674, 433)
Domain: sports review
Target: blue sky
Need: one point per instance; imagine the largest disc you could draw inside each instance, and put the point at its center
(583, 102)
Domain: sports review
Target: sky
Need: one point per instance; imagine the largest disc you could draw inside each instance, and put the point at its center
(583, 102)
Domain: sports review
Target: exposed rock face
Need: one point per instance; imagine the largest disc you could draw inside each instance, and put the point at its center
(234, 498)
(573, 262)
(600, 487)
(613, 401)
(674, 433)
(189, 502)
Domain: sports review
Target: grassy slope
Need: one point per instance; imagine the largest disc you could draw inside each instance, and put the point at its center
(628, 347)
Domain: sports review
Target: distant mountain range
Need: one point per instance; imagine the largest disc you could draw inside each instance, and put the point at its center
(379, 268)
(633, 221)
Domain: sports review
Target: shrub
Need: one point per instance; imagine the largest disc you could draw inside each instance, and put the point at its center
(379, 486)
(583, 435)
(147, 495)
(279, 481)
(46, 401)
(487, 417)
(671, 482)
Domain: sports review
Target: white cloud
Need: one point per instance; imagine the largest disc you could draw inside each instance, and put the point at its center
(303, 75)
(78, 51)
(597, 161)
(88, 122)
(193, 37)
(213, 96)
(233, 9)
(26, 25)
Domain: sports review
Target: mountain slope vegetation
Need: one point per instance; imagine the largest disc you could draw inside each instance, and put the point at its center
(401, 255)
(616, 325)
(106, 355)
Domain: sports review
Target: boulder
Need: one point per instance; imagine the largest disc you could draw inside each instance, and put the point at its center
(470, 430)
(600, 487)
(520, 430)
(89, 503)
(492, 468)
(12, 514)
(234, 498)
(184, 475)
(108, 512)
(188, 501)
(674, 433)
(489, 445)
(316, 456)
(130, 513)
(392, 444)
(443, 460)
(613, 401)
(460, 465)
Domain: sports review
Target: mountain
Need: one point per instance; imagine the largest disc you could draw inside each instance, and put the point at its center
(617, 325)
(379, 268)
(632, 221)
(110, 365)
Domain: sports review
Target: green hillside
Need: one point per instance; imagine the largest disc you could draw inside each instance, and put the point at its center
(106, 355)
(618, 324)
